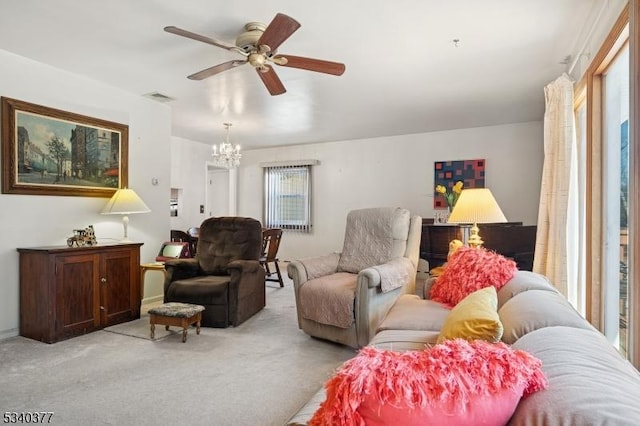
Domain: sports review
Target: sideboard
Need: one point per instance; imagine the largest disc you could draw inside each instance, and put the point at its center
(68, 291)
(511, 239)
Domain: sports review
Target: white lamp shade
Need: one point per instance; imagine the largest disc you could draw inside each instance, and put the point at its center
(476, 205)
(125, 201)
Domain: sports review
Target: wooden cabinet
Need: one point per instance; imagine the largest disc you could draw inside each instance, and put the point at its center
(65, 292)
(510, 239)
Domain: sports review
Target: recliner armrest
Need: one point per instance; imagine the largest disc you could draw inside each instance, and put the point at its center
(180, 269)
(248, 266)
(393, 274)
(371, 275)
(319, 266)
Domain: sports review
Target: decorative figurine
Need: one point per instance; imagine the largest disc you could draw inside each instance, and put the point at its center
(90, 236)
(82, 237)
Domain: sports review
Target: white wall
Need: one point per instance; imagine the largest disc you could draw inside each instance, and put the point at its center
(398, 171)
(188, 174)
(603, 16)
(29, 221)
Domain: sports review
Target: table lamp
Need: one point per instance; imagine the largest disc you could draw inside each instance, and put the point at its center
(476, 205)
(125, 201)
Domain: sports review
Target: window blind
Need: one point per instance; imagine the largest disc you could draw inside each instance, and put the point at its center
(287, 196)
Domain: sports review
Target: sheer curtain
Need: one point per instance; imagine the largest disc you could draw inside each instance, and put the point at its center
(557, 224)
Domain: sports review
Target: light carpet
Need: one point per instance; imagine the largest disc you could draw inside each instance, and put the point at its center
(259, 373)
(141, 329)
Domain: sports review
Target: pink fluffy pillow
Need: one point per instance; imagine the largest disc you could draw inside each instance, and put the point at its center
(455, 383)
(468, 270)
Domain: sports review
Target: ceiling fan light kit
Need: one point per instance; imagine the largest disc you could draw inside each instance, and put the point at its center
(259, 44)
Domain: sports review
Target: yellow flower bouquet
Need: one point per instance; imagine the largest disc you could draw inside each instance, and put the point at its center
(452, 196)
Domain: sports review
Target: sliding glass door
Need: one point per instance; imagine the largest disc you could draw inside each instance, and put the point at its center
(615, 184)
(607, 128)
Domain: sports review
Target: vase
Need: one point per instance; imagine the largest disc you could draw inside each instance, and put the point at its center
(441, 217)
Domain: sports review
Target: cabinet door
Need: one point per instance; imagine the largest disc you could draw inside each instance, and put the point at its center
(118, 296)
(77, 294)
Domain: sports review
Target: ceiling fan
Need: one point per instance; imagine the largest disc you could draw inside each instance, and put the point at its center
(259, 44)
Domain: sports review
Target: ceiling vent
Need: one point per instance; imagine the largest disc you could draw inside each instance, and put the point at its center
(157, 96)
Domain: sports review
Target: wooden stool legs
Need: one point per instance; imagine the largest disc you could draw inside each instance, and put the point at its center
(183, 322)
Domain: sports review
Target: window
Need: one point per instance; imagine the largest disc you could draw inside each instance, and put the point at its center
(287, 196)
(615, 178)
(577, 254)
(605, 121)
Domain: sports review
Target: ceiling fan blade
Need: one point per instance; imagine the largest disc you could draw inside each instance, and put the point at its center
(200, 75)
(184, 33)
(280, 29)
(310, 64)
(272, 81)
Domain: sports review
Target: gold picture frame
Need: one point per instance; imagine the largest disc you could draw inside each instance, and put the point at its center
(47, 151)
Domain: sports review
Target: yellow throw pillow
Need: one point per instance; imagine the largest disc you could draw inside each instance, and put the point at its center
(475, 317)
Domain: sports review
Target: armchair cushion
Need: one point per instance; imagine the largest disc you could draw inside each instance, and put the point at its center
(373, 237)
(329, 300)
(205, 289)
(410, 312)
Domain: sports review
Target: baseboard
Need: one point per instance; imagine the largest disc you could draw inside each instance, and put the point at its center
(6, 334)
(153, 299)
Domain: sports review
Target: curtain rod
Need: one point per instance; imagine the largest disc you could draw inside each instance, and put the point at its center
(605, 3)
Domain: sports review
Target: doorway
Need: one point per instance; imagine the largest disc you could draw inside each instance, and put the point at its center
(221, 187)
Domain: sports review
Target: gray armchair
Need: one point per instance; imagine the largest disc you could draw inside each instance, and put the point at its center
(225, 276)
(343, 297)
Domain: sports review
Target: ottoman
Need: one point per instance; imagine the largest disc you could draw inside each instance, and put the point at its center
(177, 314)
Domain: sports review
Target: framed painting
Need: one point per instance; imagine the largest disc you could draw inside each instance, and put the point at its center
(46, 151)
(447, 173)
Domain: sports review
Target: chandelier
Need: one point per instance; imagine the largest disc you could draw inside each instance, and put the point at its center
(224, 154)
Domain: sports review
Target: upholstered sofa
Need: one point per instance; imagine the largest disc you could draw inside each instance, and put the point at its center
(589, 382)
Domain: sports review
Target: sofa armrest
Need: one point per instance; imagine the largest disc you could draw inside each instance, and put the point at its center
(305, 414)
(425, 287)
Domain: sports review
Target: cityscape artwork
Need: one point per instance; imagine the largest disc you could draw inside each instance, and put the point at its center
(53, 152)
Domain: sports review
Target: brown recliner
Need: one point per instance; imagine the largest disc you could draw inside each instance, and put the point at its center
(225, 276)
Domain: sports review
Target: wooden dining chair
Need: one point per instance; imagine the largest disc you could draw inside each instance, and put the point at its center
(270, 242)
(194, 233)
